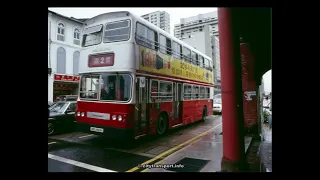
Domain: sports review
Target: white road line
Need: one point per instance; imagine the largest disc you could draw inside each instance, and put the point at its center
(86, 136)
(79, 164)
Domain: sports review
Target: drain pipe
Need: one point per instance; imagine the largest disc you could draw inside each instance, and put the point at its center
(50, 41)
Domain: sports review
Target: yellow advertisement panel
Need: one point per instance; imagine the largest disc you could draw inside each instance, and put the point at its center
(156, 62)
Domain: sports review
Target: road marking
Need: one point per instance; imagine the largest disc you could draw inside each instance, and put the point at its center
(86, 136)
(51, 143)
(173, 149)
(79, 164)
(180, 149)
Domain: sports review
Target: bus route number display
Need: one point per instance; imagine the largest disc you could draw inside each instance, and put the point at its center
(101, 60)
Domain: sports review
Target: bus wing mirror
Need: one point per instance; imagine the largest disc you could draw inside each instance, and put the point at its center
(142, 82)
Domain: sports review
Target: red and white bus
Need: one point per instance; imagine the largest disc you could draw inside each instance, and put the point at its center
(137, 79)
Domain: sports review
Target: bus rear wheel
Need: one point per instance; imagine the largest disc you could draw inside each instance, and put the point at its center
(162, 124)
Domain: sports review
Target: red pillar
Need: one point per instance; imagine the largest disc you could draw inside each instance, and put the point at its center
(231, 90)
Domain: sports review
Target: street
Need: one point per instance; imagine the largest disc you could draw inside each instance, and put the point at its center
(80, 152)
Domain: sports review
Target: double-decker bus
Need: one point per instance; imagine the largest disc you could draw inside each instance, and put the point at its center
(137, 79)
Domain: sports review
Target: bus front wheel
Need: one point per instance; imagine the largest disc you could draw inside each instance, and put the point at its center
(162, 124)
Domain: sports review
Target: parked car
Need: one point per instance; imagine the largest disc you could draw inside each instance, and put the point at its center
(61, 116)
(217, 105)
(217, 96)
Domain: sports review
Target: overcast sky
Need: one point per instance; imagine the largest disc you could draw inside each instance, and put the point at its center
(267, 81)
(175, 15)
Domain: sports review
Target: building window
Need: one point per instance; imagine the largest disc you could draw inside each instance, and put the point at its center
(76, 37)
(76, 57)
(61, 60)
(60, 35)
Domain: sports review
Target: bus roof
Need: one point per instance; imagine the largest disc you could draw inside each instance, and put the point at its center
(146, 23)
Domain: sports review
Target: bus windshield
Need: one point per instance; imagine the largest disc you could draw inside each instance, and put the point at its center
(92, 36)
(89, 86)
(112, 87)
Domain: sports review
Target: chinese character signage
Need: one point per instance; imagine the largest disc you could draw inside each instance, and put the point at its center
(156, 62)
(101, 60)
(59, 77)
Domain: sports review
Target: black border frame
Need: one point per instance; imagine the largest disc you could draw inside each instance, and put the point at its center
(28, 152)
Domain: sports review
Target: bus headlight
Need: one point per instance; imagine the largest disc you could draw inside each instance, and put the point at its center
(114, 117)
(78, 113)
(82, 114)
(120, 118)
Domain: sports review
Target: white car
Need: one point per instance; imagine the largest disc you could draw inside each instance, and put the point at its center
(217, 96)
(217, 105)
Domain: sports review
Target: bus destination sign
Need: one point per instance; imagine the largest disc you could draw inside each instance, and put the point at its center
(101, 60)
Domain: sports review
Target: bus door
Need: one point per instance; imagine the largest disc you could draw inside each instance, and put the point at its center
(141, 110)
(177, 103)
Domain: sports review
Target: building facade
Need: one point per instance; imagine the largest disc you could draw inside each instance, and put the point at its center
(201, 32)
(216, 64)
(209, 45)
(200, 40)
(160, 19)
(194, 24)
(64, 43)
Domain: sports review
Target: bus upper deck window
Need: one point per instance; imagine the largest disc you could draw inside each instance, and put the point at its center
(117, 31)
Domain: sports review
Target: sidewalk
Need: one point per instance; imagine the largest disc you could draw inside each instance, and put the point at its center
(265, 149)
(203, 155)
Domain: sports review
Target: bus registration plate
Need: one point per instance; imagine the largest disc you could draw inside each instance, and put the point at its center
(100, 130)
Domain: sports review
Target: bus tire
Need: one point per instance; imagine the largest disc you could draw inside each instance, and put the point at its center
(204, 113)
(162, 124)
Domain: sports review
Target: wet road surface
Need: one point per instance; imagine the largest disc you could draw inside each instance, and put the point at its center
(80, 152)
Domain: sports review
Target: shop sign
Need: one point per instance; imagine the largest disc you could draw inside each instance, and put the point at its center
(66, 78)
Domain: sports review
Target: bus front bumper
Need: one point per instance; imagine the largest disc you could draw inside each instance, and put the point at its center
(117, 133)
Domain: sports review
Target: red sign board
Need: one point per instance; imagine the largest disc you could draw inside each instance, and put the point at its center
(101, 60)
(59, 77)
(63, 87)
